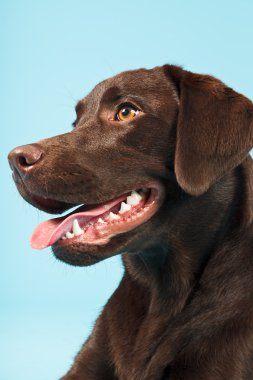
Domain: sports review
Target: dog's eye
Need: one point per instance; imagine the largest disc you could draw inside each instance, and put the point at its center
(126, 113)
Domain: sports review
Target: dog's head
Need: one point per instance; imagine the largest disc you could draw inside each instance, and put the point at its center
(141, 139)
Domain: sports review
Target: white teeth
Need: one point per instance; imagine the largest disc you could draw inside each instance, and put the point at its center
(134, 198)
(76, 228)
(124, 207)
(112, 216)
(131, 200)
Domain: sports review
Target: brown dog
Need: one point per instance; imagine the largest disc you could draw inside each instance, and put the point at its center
(159, 158)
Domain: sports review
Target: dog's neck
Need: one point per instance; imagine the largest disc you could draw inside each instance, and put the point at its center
(174, 268)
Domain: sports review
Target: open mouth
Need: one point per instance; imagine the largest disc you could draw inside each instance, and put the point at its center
(97, 225)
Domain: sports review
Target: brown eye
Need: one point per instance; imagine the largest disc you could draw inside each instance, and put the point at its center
(126, 113)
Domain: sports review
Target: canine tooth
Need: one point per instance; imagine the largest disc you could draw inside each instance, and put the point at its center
(69, 235)
(100, 220)
(124, 207)
(112, 216)
(64, 237)
(134, 198)
(76, 228)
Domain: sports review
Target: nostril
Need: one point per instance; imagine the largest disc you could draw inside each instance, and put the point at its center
(28, 158)
(22, 161)
(24, 157)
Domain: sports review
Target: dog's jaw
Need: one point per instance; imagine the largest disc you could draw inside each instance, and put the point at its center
(91, 230)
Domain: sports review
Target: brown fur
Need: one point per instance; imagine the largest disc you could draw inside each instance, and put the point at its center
(184, 308)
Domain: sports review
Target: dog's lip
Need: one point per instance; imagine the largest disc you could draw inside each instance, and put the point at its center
(43, 202)
(50, 232)
(103, 234)
(51, 205)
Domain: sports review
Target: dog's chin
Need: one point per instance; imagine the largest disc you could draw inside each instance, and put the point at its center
(78, 254)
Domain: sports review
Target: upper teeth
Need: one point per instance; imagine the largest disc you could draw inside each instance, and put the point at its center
(134, 198)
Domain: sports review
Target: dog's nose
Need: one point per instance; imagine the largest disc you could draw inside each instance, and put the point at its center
(23, 158)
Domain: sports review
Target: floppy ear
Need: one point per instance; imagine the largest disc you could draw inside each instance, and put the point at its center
(214, 130)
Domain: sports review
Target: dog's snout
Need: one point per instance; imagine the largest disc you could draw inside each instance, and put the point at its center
(23, 158)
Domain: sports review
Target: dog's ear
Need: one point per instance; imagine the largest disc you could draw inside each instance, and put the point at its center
(214, 129)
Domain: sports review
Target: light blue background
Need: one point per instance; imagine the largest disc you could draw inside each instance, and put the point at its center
(52, 54)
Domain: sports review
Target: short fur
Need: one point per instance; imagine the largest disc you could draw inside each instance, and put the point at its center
(184, 307)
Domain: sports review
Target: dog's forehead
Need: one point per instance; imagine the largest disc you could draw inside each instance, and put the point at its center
(135, 82)
(138, 80)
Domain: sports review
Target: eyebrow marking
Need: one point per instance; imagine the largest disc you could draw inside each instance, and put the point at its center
(114, 95)
(111, 95)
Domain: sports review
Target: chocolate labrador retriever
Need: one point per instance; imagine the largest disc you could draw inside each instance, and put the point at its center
(159, 162)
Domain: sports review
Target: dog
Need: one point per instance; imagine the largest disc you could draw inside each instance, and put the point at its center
(158, 164)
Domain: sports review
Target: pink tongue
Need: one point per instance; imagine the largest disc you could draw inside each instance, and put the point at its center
(48, 232)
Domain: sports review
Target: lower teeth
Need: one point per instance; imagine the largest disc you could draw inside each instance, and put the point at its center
(110, 218)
